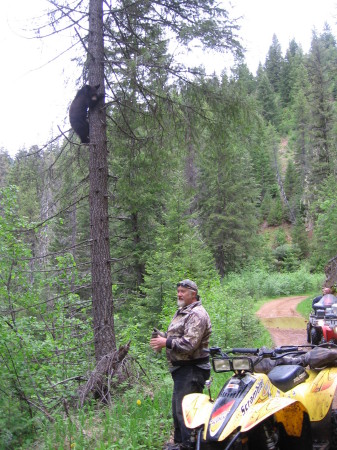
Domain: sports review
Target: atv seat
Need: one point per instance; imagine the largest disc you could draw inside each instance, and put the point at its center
(287, 377)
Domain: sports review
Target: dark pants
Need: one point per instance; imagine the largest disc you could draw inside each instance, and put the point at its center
(187, 380)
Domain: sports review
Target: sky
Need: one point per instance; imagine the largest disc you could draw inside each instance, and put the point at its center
(38, 86)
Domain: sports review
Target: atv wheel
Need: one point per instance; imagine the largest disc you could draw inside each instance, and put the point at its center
(304, 442)
(308, 333)
(315, 336)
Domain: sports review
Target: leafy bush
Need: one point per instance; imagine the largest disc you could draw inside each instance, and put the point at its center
(287, 257)
(275, 215)
(258, 283)
(234, 323)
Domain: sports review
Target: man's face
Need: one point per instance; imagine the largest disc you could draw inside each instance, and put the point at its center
(185, 296)
(326, 291)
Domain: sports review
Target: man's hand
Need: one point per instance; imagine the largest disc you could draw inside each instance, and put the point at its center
(158, 343)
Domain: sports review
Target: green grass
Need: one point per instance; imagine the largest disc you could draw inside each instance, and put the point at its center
(304, 308)
(140, 419)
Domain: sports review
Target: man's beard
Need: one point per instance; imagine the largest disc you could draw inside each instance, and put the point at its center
(180, 303)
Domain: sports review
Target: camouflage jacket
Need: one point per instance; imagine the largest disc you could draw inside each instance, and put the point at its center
(188, 337)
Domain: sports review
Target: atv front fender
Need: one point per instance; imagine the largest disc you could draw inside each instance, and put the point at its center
(196, 409)
(288, 411)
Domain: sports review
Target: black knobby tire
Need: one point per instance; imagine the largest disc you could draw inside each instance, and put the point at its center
(257, 438)
(315, 336)
(308, 333)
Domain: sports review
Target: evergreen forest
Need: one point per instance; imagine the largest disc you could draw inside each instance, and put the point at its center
(229, 180)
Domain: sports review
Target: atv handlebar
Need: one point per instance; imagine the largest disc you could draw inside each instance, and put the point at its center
(268, 352)
(253, 351)
(262, 352)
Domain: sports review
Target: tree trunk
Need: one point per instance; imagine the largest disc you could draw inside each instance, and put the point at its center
(102, 301)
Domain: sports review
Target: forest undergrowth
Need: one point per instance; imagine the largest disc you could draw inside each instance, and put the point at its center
(140, 415)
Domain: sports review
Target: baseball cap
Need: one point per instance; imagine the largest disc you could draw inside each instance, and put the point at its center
(189, 284)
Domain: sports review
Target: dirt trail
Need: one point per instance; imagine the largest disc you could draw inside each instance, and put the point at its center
(285, 325)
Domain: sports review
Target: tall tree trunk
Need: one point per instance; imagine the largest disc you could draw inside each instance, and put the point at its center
(102, 301)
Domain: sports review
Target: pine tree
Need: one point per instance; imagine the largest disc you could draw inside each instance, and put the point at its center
(274, 64)
(292, 188)
(5, 166)
(300, 237)
(302, 116)
(324, 211)
(267, 99)
(293, 58)
(227, 189)
(320, 98)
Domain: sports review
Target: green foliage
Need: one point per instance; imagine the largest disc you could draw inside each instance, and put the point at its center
(287, 257)
(305, 308)
(268, 100)
(291, 184)
(227, 188)
(275, 216)
(321, 61)
(231, 305)
(300, 237)
(260, 283)
(233, 321)
(192, 173)
(179, 253)
(280, 237)
(266, 205)
(293, 58)
(15, 292)
(118, 427)
(325, 210)
(274, 64)
(41, 340)
(5, 165)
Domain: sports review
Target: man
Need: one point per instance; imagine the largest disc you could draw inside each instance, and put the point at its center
(186, 342)
(325, 291)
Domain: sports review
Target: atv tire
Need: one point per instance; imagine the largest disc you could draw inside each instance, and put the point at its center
(304, 442)
(315, 336)
(308, 333)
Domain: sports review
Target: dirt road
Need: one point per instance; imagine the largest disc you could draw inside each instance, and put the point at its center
(285, 325)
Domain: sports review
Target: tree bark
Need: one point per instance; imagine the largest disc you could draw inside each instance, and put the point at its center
(102, 301)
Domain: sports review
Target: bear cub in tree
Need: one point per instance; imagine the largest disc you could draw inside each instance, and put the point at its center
(87, 97)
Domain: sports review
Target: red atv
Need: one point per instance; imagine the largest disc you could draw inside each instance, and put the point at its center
(322, 326)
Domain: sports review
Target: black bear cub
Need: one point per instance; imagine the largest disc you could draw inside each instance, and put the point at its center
(87, 97)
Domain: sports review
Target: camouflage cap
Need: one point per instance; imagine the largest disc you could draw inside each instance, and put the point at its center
(189, 284)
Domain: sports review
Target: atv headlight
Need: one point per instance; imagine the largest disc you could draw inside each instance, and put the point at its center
(242, 364)
(222, 365)
(233, 364)
(320, 323)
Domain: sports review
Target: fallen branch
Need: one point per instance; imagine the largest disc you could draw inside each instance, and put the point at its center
(100, 380)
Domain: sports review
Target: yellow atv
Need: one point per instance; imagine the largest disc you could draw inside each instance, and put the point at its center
(277, 399)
